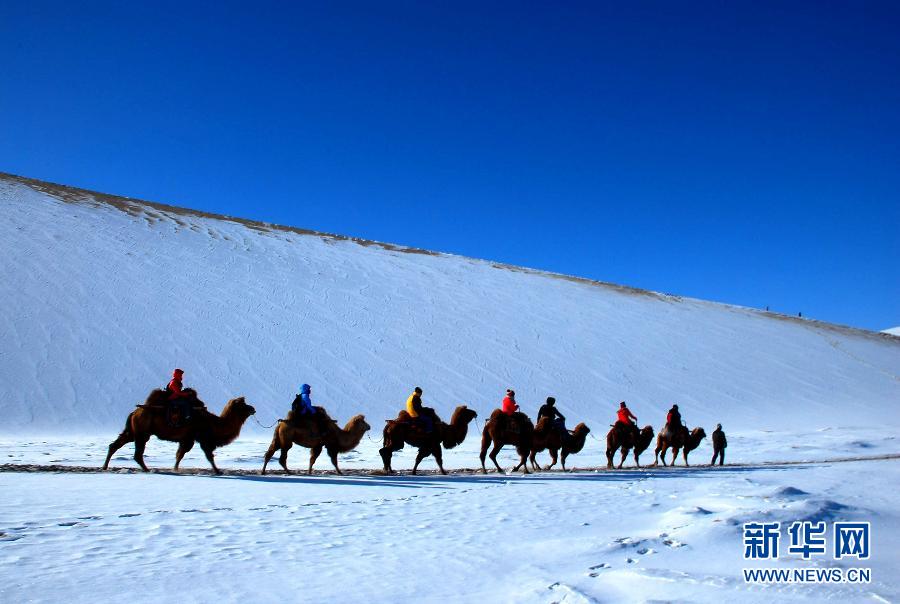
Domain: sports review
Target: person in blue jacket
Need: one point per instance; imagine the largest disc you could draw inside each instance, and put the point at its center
(302, 404)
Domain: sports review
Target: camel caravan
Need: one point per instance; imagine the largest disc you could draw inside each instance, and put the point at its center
(176, 414)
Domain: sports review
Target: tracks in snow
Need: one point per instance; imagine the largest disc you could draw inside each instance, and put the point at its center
(643, 470)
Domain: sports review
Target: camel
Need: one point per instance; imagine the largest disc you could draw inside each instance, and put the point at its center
(403, 431)
(547, 436)
(498, 430)
(210, 430)
(307, 434)
(627, 441)
(681, 439)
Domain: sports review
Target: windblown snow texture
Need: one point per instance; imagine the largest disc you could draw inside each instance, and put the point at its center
(103, 296)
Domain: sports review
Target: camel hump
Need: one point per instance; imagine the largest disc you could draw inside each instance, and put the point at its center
(495, 414)
(403, 416)
(157, 398)
(544, 424)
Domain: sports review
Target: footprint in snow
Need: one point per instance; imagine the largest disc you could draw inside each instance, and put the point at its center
(128, 515)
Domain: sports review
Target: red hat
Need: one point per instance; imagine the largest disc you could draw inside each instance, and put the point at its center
(177, 372)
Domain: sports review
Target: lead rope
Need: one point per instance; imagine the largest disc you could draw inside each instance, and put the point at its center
(262, 426)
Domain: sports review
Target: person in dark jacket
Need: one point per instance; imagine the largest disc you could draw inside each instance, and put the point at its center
(673, 419)
(549, 409)
(178, 397)
(719, 443)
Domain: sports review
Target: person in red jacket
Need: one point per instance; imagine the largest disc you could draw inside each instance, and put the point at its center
(626, 418)
(625, 415)
(509, 403)
(177, 395)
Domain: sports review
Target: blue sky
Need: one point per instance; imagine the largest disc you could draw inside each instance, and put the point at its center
(744, 152)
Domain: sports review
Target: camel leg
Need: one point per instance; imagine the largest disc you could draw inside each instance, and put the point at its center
(636, 462)
(493, 456)
(624, 455)
(313, 456)
(656, 456)
(208, 449)
(422, 454)
(333, 453)
(534, 465)
(282, 459)
(554, 456)
(123, 439)
(485, 441)
(684, 454)
(386, 459)
(674, 456)
(269, 453)
(139, 445)
(662, 455)
(523, 460)
(183, 448)
(439, 458)
(562, 460)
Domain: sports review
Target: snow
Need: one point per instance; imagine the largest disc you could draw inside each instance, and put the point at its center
(894, 331)
(104, 296)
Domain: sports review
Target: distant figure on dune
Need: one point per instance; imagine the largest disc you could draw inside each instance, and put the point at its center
(719, 443)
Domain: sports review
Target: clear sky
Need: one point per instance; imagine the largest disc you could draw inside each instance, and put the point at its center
(744, 152)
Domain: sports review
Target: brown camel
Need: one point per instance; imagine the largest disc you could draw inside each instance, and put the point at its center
(627, 440)
(405, 431)
(548, 436)
(681, 439)
(210, 430)
(309, 434)
(502, 429)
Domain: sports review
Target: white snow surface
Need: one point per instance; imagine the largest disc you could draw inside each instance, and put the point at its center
(894, 331)
(104, 296)
(101, 301)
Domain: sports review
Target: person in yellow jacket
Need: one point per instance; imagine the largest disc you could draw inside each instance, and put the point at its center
(414, 408)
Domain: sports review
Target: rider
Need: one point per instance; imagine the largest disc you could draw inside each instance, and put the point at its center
(178, 397)
(304, 409)
(415, 410)
(626, 417)
(509, 403)
(302, 404)
(549, 409)
(673, 419)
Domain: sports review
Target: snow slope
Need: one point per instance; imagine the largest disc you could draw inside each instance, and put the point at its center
(103, 296)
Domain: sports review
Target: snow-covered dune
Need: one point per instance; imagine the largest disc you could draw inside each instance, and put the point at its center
(103, 296)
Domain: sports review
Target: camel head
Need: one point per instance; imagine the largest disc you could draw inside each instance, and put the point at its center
(463, 414)
(238, 407)
(581, 430)
(357, 424)
(698, 434)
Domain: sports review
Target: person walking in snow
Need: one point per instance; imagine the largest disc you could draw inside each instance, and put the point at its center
(416, 411)
(719, 443)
